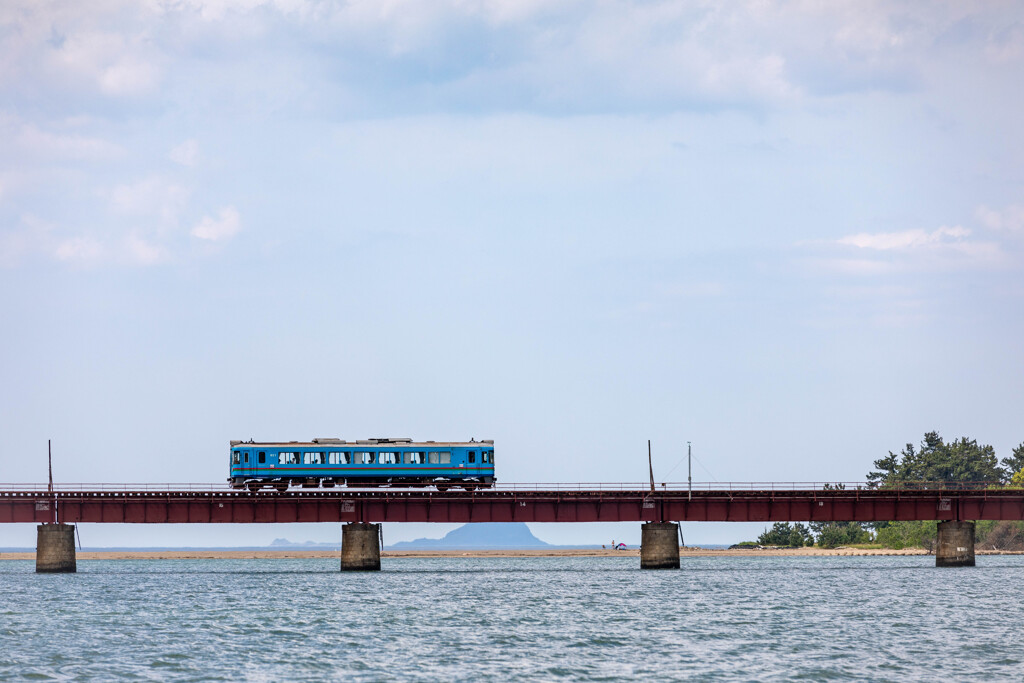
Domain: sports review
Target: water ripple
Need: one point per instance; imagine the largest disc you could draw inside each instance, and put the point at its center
(466, 619)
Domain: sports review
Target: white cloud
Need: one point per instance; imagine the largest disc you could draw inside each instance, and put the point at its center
(82, 250)
(1006, 44)
(186, 154)
(154, 196)
(908, 239)
(1010, 219)
(225, 226)
(564, 55)
(127, 77)
(943, 249)
(142, 252)
(116, 61)
(31, 235)
(38, 143)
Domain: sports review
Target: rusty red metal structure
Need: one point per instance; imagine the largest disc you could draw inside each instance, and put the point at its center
(513, 503)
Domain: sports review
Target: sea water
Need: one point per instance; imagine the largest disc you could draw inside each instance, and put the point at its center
(546, 619)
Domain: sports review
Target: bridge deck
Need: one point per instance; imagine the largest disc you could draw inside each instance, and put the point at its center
(28, 504)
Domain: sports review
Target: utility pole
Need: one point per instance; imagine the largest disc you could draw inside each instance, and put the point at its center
(689, 473)
(53, 503)
(650, 467)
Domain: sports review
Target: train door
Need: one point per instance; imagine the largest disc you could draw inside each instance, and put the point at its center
(249, 463)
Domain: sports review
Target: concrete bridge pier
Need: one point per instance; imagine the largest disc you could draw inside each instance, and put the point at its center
(659, 545)
(55, 549)
(360, 547)
(955, 545)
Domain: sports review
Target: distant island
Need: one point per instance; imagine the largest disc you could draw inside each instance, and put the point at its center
(476, 536)
(479, 536)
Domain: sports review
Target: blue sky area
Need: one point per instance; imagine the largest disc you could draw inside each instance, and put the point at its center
(791, 233)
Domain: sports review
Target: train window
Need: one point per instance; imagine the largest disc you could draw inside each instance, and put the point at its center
(313, 458)
(415, 457)
(338, 458)
(440, 457)
(472, 457)
(288, 458)
(364, 457)
(263, 457)
(389, 458)
(236, 458)
(246, 457)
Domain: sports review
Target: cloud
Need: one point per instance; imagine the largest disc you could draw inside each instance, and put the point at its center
(31, 235)
(186, 154)
(1006, 44)
(35, 236)
(142, 252)
(941, 250)
(1010, 219)
(908, 239)
(35, 143)
(225, 226)
(154, 197)
(81, 250)
(118, 63)
(403, 56)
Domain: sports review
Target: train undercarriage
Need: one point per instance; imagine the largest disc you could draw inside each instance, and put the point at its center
(282, 485)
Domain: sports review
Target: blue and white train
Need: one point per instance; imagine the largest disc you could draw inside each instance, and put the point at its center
(373, 462)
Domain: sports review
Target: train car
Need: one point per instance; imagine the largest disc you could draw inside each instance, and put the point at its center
(368, 463)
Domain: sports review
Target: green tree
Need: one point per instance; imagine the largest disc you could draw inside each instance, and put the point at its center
(888, 470)
(834, 534)
(963, 461)
(1015, 463)
(1017, 480)
(906, 534)
(785, 535)
(800, 536)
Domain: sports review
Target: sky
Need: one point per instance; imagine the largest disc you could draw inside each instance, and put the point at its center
(790, 233)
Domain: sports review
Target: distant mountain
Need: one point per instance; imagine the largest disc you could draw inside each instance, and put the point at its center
(478, 536)
(311, 545)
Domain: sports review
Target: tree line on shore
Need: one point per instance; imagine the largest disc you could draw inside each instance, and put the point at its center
(962, 462)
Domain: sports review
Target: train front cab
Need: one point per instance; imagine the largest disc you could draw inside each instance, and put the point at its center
(245, 464)
(240, 466)
(477, 463)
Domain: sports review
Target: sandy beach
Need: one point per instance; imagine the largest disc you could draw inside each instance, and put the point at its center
(398, 554)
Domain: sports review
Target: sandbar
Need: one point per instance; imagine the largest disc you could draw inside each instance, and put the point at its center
(554, 552)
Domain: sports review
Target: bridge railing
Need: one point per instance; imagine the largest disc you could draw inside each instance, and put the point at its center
(674, 487)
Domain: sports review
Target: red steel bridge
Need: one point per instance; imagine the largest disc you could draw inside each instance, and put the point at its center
(718, 502)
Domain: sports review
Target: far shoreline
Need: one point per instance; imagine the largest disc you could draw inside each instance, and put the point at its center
(532, 553)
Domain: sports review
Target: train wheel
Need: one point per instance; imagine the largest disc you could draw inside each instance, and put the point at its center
(254, 486)
(281, 488)
(441, 487)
